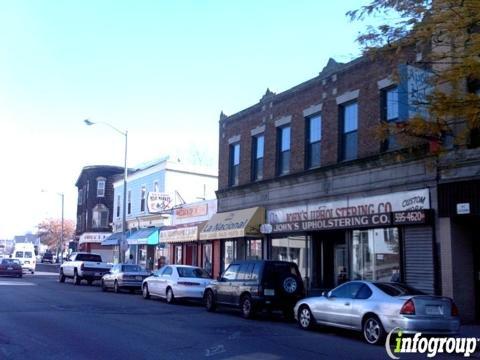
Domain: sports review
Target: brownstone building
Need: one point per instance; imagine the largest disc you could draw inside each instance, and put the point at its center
(334, 198)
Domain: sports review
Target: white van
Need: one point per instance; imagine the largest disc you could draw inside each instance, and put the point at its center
(25, 253)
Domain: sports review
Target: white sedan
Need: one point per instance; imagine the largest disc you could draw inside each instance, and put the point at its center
(176, 282)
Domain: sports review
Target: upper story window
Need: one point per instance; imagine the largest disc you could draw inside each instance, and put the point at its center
(80, 196)
(234, 164)
(349, 131)
(314, 138)
(390, 113)
(118, 206)
(156, 187)
(129, 202)
(283, 153)
(100, 187)
(143, 198)
(258, 145)
(100, 216)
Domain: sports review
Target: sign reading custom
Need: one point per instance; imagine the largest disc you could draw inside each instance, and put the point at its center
(158, 202)
(191, 211)
(396, 208)
(240, 223)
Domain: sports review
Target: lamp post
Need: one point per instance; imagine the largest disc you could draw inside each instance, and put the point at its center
(61, 242)
(124, 212)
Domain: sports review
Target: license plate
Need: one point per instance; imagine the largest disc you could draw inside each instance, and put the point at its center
(269, 292)
(433, 310)
(138, 277)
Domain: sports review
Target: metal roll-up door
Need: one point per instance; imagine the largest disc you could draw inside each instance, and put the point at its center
(419, 271)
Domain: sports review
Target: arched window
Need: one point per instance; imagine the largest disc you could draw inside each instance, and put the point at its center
(100, 216)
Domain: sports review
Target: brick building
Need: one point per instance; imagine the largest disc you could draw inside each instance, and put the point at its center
(95, 207)
(335, 199)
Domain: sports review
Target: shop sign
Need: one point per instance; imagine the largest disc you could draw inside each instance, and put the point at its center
(463, 208)
(180, 234)
(158, 202)
(93, 237)
(348, 213)
(414, 217)
(191, 211)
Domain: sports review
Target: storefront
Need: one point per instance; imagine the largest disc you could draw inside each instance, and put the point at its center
(142, 245)
(113, 243)
(182, 241)
(238, 236)
(92, 242)
(381, 238)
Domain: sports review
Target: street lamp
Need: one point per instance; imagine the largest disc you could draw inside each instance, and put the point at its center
(60, 243)
(124, 212)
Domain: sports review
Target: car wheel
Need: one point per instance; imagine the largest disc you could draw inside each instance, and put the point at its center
(305, 317)
(104, 288)
(116, 288)
(61, 277)
(210, 301)
(76, 278)
(90, 282)
(20, 276)
(32, 272)
(290, 285)
(145, 292)
(373, 331)
(170, 297)
(246, 306)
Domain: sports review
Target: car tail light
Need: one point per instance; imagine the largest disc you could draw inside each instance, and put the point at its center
(188, 283)
(408, 308)
(454, 309)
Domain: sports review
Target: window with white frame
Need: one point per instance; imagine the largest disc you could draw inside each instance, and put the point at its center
(118, 206)
(258, 144)
(314, 137)
(143, 198)
(101, 187)
(156, 187)
(234, 164)
(283, 150)
(390, 113)
(349, 125)
(100, 216)
(129, 204)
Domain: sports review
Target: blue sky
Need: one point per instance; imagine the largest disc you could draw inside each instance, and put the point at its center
(161, 69)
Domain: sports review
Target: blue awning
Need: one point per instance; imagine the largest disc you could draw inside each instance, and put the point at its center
(147, 236)
(113, 239)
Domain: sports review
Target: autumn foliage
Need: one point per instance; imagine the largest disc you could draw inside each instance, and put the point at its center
(50, 232)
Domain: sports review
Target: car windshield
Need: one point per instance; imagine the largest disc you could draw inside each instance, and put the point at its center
(28, 254)
(10, 261)
(88, 257)
(19, 254)
(396, 289)
(132, 268)
(189, 272)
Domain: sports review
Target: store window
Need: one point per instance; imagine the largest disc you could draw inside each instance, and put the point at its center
(142, 255)
(375, 255)
(229, 252)
(292, 248)
(207, 258)
(254, 249)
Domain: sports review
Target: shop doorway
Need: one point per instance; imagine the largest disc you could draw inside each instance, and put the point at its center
(330, 259)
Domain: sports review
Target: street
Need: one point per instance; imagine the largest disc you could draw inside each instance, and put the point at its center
(43, 319)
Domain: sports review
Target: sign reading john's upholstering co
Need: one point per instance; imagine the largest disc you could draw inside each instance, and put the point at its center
(371, 211)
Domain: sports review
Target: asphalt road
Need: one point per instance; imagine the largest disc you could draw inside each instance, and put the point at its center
(43, 319)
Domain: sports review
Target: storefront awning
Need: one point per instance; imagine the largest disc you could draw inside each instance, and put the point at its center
(147, 236)
(234, 224)
(113, 239)
(181, 233)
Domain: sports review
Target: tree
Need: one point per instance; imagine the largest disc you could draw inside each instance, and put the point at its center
(50, 232)
(446, 36)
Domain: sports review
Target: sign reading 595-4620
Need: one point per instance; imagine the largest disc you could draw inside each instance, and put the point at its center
(410, 217)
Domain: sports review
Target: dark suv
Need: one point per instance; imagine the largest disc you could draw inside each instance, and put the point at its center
(47, 258)
(255, 285)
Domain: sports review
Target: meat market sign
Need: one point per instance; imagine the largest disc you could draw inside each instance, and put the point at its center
(393, 209)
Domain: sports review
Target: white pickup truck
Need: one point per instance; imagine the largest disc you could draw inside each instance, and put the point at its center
(83, 266)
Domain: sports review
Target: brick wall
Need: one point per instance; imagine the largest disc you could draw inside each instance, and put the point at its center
(359, 75)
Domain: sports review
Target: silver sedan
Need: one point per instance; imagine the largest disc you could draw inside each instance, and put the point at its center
(376, 308)
(124, 276)
(176, 281)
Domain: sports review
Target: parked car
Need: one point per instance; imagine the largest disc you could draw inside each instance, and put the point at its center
(47, 258)
(124, 276)
(25, 254)
(254, 285)
(10, 267)
(83, 266)
(376, 308)
(176, 282)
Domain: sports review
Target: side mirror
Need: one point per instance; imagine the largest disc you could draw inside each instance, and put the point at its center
(220, 278)
(324, 293)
